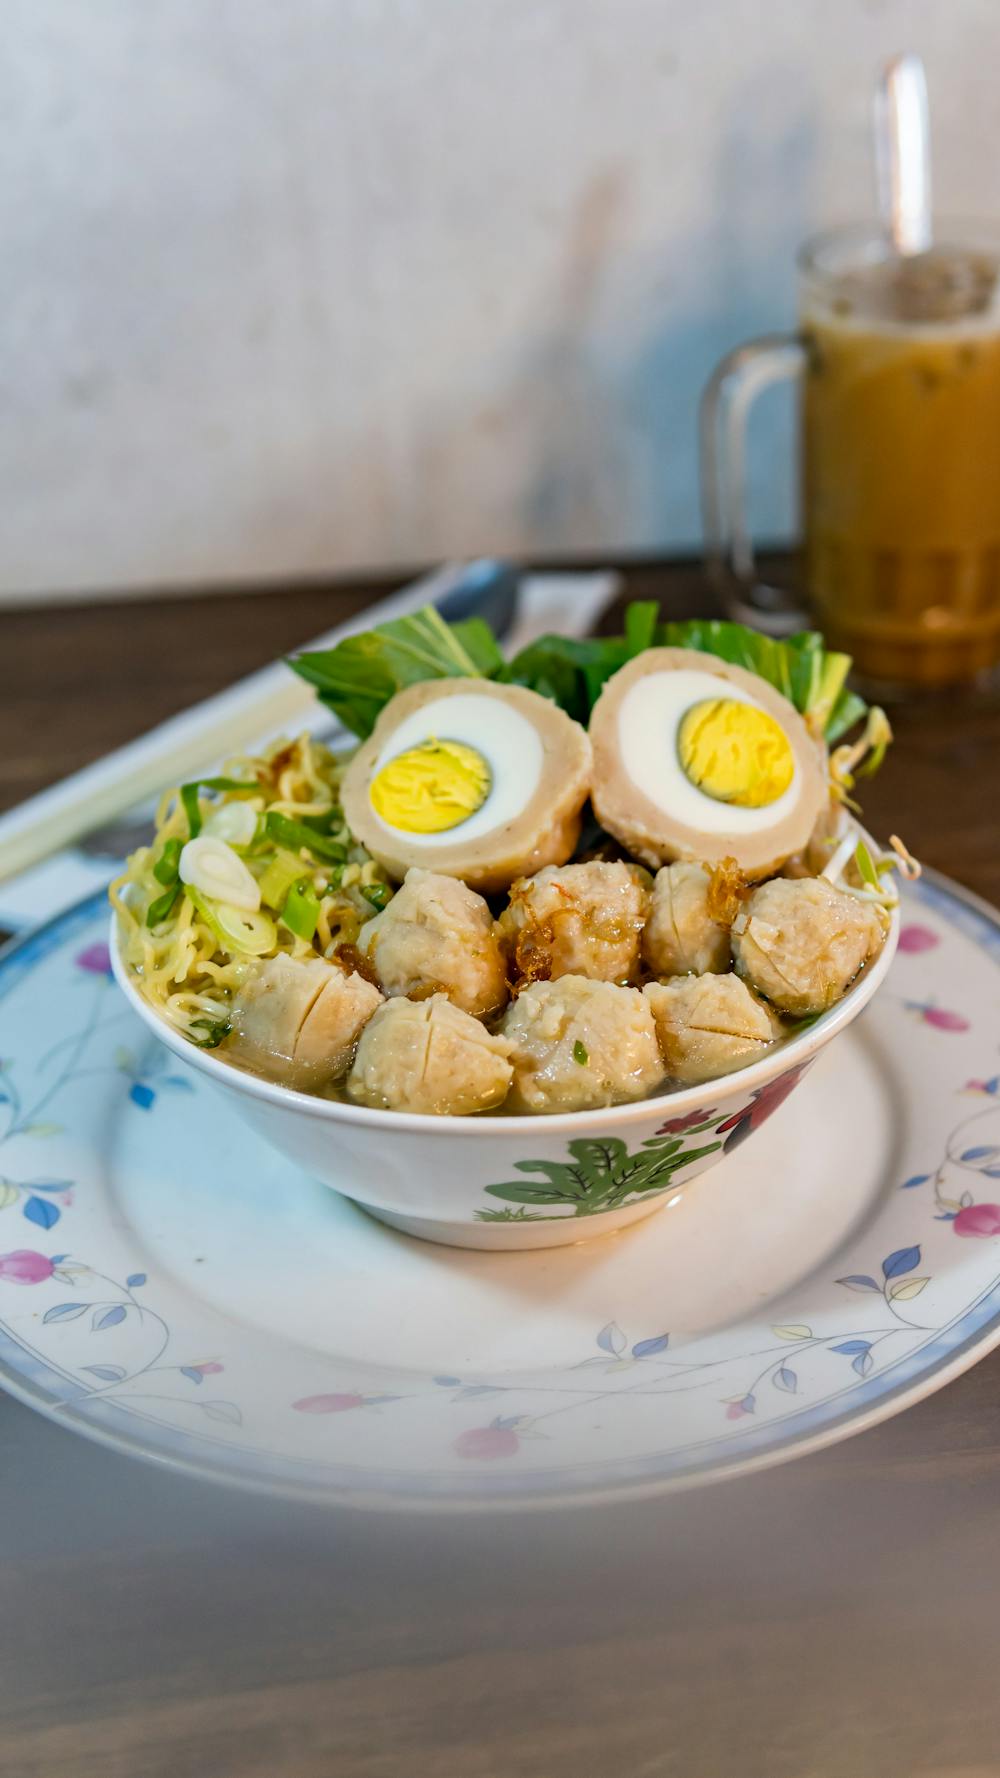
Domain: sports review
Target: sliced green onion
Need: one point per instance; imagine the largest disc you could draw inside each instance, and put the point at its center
(379, 894)
(212, 867)
(237, 929)
(161, 909)
(234, 822)
(325, 823)
(284, 869)
(301, 910)
(191, 805)
(296, 835)
(580, 1053)
(863, 860)
(165, 868)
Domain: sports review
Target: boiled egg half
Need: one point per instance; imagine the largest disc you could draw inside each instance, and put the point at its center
(697, 759)
(471, 779)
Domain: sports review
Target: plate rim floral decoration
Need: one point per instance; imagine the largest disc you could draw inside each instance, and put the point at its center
(99, 1353)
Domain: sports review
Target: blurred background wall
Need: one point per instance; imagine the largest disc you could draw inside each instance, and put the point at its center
(304, 285)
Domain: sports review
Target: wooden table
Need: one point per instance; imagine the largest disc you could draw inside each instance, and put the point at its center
(835, 1618)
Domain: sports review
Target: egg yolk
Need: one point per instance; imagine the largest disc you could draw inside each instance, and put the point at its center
(735, 753)
(432, 787)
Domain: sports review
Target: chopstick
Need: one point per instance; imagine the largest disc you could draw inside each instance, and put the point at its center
(265, 702)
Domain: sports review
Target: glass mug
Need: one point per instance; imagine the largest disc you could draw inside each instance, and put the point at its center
(898, 361)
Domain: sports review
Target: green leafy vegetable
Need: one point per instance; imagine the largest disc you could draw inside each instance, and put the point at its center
(192, 807)
(358, 677)
(556, 667)
(801, 668)
(580, 1053)
(295, 835)
(573, 671)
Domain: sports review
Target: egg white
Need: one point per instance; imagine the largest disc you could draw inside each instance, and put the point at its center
(649, 718)
(509, 743)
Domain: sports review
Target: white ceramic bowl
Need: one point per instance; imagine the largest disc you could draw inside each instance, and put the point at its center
(517, 1182)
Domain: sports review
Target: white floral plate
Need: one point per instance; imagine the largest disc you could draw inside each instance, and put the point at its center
(172, 1288)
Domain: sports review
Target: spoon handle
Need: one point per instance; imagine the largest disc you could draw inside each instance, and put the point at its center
(903, 154)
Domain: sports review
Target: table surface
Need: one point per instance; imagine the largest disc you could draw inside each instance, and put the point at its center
(834, 1618)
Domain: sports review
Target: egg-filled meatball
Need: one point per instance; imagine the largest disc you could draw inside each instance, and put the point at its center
(428, 1056)
(577, 1043)
(801, 942)
(438, 936)
(708, 1025)
(470, 778)
(297, 1022)
(577, 919)
(681, 937)
(696, 758)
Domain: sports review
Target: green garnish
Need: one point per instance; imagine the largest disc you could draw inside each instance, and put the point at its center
(379, 894)
(166, 867)
(252, 933)
(580, 1053)
(301, 910)
(161, 909)
(801, 668)
(295, 835)
(358, 677)
(284, 869)
(214, 1030)
(189, 797)
(863, 860)
(325, 823)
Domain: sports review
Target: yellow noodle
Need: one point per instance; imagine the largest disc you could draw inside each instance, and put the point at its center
(181, 967)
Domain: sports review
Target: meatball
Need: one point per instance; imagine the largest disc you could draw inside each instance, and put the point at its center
(578, 919)
(438, 936)
(641, 792)
(681, 937)
(801, 942)
(539, 762)
(298, 1022)
(708, 1025)
(577, 1043)
(429, 1056)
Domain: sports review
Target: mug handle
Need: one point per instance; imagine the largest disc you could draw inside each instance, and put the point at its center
(729, 395)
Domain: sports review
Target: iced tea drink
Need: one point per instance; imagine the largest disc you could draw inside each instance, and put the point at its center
(901, 457)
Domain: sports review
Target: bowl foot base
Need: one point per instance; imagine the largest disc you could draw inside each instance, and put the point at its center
(517, 1237)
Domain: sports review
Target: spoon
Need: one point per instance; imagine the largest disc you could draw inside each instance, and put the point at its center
(903, 154)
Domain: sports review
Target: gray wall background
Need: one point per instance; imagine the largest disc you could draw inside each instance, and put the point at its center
(298, 285)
